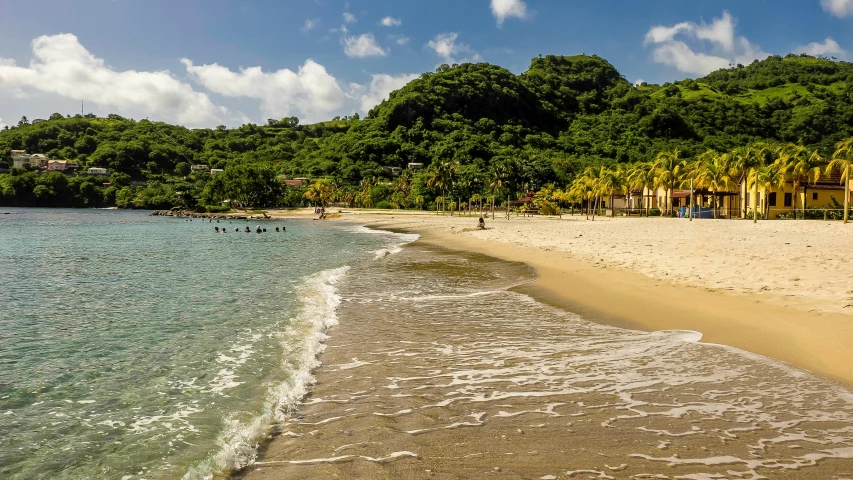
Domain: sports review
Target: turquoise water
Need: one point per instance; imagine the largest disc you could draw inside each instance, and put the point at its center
(144, 347)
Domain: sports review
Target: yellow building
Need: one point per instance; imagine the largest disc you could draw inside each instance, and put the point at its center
(826, 193)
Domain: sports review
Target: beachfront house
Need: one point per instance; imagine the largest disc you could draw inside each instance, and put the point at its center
(826, 193)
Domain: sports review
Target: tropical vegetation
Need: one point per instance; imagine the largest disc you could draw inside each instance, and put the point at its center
(570, 127)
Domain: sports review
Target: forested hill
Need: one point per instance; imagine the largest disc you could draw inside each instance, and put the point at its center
(562, 113)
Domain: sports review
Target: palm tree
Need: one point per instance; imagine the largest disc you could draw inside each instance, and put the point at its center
(842, 160)
(613, 183)
(667, 167)
(322, 192)
(642, 176)
(496, 183)
(769, 177)
(748, 160)
(420, 201)
(800, 163)
(714, 173)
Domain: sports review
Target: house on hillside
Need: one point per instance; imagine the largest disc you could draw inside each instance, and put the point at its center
(200, 168)
(38, 120)
(415, 166)
(61, 165)
(216, 171)
(97, 171)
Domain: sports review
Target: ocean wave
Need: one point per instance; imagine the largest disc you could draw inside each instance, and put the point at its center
(302, 341)
(399, 240)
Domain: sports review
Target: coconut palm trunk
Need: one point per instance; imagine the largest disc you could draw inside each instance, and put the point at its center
(847, 196)
(754, 201)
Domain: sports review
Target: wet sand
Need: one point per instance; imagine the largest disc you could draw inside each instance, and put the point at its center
(458, 373)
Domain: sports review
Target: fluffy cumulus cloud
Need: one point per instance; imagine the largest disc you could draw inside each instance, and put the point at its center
(381, 85)
(390, 22)
(829, 48)
(310, 93)
(363, 46)
(62, 66)
(503, 9)
(349, 17)
(839, 8)
(711, 46)
(445, 46)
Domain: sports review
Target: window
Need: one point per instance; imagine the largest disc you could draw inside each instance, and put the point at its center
(771, 199)
(789, 199)
(814, 195)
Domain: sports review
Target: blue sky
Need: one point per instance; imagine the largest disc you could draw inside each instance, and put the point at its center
(210, 62)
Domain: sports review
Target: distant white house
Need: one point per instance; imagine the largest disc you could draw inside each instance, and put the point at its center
(199, 168)
(96, 171)
(415, 166)
(216, 171)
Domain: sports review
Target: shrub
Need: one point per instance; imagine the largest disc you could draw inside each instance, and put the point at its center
(383, 204)
(212, 208)
(654, 212)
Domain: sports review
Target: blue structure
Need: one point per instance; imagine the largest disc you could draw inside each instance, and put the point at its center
(698, 212)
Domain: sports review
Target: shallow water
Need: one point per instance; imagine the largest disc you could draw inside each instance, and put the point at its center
(439, 369)
(146, 347)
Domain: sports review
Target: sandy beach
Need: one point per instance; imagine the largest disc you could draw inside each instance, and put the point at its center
(777, 288)
(525, 386)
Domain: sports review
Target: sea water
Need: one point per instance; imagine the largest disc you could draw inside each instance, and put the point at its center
(147, 347)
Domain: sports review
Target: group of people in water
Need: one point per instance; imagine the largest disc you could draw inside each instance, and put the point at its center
(258, 229)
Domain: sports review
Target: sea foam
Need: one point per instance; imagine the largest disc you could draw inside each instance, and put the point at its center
(302, 341)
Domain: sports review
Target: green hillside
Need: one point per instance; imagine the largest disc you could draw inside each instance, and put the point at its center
(547, 123)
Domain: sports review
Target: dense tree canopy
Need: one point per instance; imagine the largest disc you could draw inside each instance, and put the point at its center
(546, 125)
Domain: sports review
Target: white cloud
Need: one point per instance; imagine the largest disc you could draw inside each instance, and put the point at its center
(682, 57)
(725, 47)
(721, 32)
(363, 46)
(839, 8)
(310, 92)
(445, 46)
(349, 17)
(381, 85)
(390, 22)
(639, 82)
(62, 66)
(829, 47)
(310, 24)
(503, 9)
(661, 34)
(2, 125)
(401, 39)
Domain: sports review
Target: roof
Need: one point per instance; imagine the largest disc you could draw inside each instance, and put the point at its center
(680, 194)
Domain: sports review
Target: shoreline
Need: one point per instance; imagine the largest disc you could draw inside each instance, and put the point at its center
(814, 341)
(509, 386)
